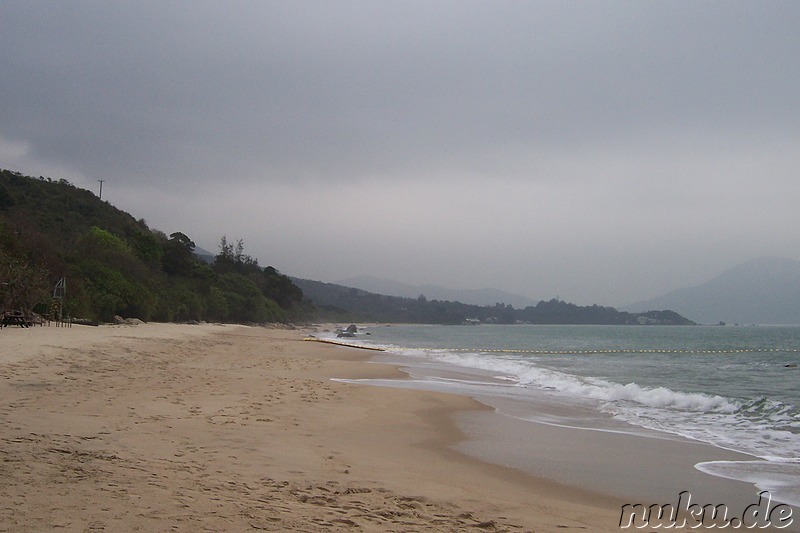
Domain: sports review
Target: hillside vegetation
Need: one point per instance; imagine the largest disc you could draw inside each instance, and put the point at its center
(114, 264)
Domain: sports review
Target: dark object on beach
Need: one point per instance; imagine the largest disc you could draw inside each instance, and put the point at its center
(351, 329)
(14, 318)
(85, 322)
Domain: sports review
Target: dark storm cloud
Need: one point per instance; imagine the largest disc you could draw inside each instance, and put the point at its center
(335, 89)
(592, 120)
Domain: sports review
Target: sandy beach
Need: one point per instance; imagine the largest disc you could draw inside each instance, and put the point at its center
(229, 428)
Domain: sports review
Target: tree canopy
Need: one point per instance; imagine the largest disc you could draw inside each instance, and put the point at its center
(117, 265)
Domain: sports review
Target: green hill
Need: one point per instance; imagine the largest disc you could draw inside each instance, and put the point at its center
(114, 264)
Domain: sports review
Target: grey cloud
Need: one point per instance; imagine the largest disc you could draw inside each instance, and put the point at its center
(564, 125)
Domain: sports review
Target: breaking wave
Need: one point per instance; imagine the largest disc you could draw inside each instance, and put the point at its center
(762, 427)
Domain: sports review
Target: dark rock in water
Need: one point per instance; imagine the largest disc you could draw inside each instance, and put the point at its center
(346, 334)
(351, 329)
(790, 365)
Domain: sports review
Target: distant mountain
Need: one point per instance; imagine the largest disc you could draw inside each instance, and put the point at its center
(204, 255)
(761, 291)
(434, 292)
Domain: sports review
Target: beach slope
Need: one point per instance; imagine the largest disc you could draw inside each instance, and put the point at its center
(215, 428)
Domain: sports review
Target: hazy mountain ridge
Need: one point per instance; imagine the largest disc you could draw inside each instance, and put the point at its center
(336, 303)
(761, 291)
(434, 292)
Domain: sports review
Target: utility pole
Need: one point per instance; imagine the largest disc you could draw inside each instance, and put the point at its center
(101, 188)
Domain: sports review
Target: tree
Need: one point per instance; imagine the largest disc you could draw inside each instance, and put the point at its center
(22, 285)
(182, 240)
(224, 260)
(280, 288)
(178, 258)
(232, 258)
(116, 264)
(245, 302)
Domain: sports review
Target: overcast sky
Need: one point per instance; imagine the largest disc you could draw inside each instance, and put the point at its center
(603, 152)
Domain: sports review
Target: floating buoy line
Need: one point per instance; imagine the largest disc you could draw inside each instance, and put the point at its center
(611, 351)
(561, 352)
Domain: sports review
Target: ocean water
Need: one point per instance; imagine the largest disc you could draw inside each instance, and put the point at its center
(737, 388)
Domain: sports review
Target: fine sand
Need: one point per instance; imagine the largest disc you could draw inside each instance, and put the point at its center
(162, 427)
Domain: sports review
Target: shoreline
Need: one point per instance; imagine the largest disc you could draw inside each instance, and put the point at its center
(617, 460)
(210, 427)
(604, 456)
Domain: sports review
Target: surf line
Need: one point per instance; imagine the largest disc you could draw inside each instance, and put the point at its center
(349, 345)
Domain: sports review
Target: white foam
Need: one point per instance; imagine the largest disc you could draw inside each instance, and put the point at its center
(525, 373)
(780, 478)
(764, 428)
